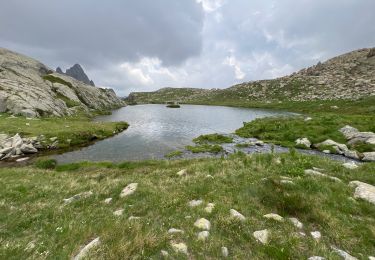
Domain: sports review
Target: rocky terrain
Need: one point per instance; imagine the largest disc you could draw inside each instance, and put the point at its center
(31, 89)
(349, 76)
(77, 72)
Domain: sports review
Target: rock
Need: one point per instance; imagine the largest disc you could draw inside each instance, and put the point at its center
(30, 246)
(22, 159)
(175, 231)
(52, 139)
(339, 148)
(261, 236)
(307, 119)
(371, 257)
(363, 191)
(164, 253)
(128, 190)
(316, 258)
(133, 218)
(202, 236)
(108, 200)
(316, 235)
(349, 132)
(79, 196)
(369, 157)
(203, 223)
(224, 251)
(316, 173)
(236, 215)
(78, 73)
(86, 249)
(371, 53)
(118, 212)
(209, 208)
(179, 247)
(296, 223)
(326, 151)
(182, 172)
(274, 217)
(350, 165)
(28, 149)
(195, 203)
(304, 142)
(343, 254)
(352, 154)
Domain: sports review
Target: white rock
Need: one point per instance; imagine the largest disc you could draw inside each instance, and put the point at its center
(195, 203)
(202, 236)
(164, 253)
(22, 159)
(350, 165)
(182, 172)
(209, 208)
(261, 236)
(303, 141)
(85, 250)
(179, 247)
(371, 257)
(128, 190)
(296, 222)
(82, 195)
(308, 119)
(133, 218)
(349, 132)
(203, 223)
(175, 231)
(316, 235)
(363, 191)
(118, 212)
(286, 182)
(108, 200)
(339, 148)
(236, 215)
(316, 258)
(369, 157)
(224, 251)
(274, 217)
(343, 254)
(326, 151)
(316, 173)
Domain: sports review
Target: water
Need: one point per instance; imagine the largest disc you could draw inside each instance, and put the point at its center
(156, 130)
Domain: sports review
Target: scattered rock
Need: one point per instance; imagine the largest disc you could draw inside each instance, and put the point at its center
(118, 212)
(11, 147)
(164, 253)
(203, 223)
(326, 151)
(28, 148)
(363, 191)
(133, 218)
(86, 249)
(274, 217)
(22, 159)
(175, 231)
(296, 223)
(261, 236)
(179, 247)
(316, 235)
(182, 172)
(202, 236)
(316, 173)
(209, 208)
(343, 254)
(350, 165)
(339, 148)
(108, 200)
(195, 203)
(236, 215)
(307, 119)
(224, 251)
(316, 258)
(82, 195)
(369, 157)
(53, 139)
(128, 190)
(303, 141)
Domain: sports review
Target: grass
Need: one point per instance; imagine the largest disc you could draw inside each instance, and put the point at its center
(31, 205)
(213, 138)
(69, 103)
(70, 131)
(54, 79)
(205, 148)
(173, 154)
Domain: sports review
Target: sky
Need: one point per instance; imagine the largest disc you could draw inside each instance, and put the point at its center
(144, 45)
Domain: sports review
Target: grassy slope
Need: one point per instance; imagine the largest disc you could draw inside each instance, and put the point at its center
(31, 206)
(79, 129)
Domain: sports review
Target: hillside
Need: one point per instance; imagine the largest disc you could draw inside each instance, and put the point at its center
(349, 76)
(29, 88)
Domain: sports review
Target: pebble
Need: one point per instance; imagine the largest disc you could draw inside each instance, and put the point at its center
(274, 217)
(182, 172)
(180, 247)
(108, 200)
(209, 208)
(235, 214)
(175, 231)
(202, 236)
(224, 251)
(261, 236)
(84, 252)
(195, 203)
(296, 222)
(316, 235)
(118, 212)
(128, 190)
(203, 223)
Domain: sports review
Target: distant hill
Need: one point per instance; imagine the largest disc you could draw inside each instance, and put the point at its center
(348, 76)
(77, 72)
(29, 88)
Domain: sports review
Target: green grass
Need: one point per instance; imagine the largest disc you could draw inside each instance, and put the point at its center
(54, 79)
(69, 103)
(173, 154)
(71, 131)
(31, 205)
(205, 148)
(213, 138)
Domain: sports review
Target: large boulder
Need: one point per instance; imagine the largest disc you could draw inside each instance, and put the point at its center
(339, 148)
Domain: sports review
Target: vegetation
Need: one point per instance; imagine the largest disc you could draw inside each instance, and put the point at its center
(69, 103)
(213, 138)
(37, 224)
(54, 79)
(205, 148)
(173, 154)
(70, 131)
(173, 106)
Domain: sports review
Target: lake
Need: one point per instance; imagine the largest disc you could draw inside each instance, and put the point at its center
(156, 130)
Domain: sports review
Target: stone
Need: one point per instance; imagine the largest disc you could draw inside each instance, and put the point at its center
(307, 119)
(326, 151)
(352, 154)
(203, 223)
(133, 218)
(316, 235)
(316, 258)
(237, 215)
(53, 139)
(224, 251)
(195, 203)
(182, 173)
(79, 196)
(343, 254)
(296, 223)
(349, 132)
(369, 157)
(22, 159)
(350, 165)
(108, 200)
(179, 247)
(86, 249)
(175, 231)
(128, 190)
(363, 191)
(28, 149)
(164, 253)
(371, 257)
(274, 217)
(316, 173)
(339, 148)
(202, 236)
(304, 142)
(119, 212)
(209, 208)
(262, 236)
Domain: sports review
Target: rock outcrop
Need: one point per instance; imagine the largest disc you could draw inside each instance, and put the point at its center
(29, 88)
(77, 72)
(13, 147)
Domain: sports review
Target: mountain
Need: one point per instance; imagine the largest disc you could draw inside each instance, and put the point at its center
(77, 72)
(348, 76)
(29, 88)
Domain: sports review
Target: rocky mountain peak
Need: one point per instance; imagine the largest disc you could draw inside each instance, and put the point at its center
(77, 72)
